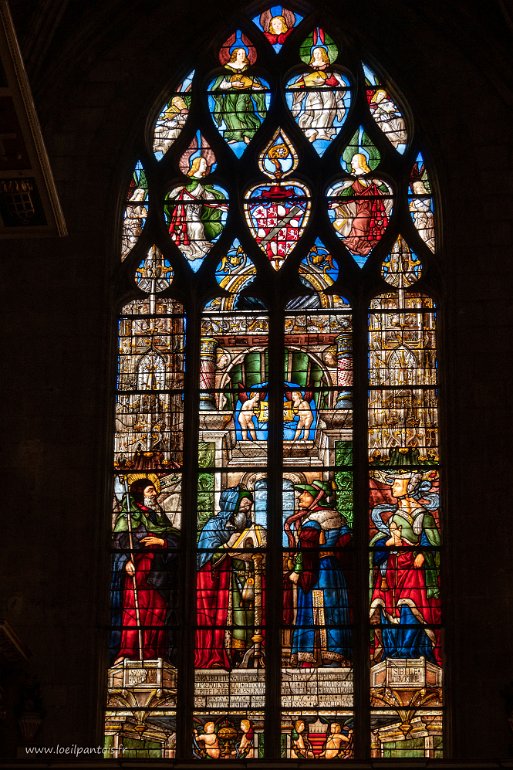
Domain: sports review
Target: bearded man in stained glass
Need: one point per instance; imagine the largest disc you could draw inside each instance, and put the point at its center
(143, 576)
(216, 580)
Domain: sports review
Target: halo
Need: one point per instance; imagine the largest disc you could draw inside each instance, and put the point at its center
(150, 476)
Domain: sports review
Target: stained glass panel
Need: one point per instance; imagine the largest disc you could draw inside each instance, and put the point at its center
(360, 205)
(271, 487)
(146, 523)
(317, 669)
(404, 521)
(277, 23)
(136, 210)
(319, 98)
(229, 683)
(172, 118)
(385, 112)
(403, 395)
(421, 202)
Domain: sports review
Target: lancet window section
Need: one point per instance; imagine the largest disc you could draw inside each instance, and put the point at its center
(280, 181)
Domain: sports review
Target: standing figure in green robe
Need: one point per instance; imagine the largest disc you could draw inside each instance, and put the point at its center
(238, 102)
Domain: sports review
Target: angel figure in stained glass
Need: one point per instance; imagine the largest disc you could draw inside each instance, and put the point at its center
(135, 217)
(170, 123)
(360, 216)
(277, 30)
(421, 210)
(195, 212)
(277, 23)
(239, 105)
(388, 117)
(318, 100)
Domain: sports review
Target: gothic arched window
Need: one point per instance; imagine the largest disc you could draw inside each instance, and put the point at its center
(276, 529)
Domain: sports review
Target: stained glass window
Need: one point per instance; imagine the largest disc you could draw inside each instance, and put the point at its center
(276, 516)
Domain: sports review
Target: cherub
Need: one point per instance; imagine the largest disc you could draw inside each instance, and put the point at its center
(302, 408)
(250, 407)
(338, 744)
(209, 740)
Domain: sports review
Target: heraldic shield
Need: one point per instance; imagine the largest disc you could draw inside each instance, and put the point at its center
(277, 215)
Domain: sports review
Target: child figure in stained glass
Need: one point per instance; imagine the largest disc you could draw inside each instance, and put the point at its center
(301, 747)
(248, 411)
(338, 743)
(246, 749)
(207, 741)
(303, 410)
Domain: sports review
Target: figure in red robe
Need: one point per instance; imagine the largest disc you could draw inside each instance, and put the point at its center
(144, 577)
(405, 604)
(214, 577)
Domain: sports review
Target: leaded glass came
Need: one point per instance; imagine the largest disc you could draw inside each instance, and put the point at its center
(276, 410)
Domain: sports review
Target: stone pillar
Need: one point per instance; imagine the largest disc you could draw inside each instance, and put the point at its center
(345, 370)
(207, 374)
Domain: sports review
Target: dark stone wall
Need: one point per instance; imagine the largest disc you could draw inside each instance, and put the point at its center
(103, 68)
